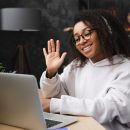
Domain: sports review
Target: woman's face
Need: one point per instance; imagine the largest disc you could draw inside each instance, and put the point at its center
(87, 42)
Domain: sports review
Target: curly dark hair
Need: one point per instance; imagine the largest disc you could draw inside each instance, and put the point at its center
(113, 38)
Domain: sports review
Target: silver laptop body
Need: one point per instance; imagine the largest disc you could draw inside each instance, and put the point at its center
(20, 104)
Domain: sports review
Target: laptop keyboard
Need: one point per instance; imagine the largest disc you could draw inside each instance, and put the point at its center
(51, 123)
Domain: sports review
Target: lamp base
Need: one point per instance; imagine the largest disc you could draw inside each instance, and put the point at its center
(21, 60)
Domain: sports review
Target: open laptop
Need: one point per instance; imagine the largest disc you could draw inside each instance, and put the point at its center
(20, 104)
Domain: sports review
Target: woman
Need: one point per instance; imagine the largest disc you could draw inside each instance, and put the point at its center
(97, 82)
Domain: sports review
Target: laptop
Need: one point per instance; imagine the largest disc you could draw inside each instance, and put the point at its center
(20, 104)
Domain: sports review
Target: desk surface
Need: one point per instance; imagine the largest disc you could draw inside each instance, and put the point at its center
(84, 123)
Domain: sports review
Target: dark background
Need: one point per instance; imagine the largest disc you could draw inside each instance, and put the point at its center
(56, 15)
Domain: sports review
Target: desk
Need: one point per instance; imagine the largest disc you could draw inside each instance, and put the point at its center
(84, 123)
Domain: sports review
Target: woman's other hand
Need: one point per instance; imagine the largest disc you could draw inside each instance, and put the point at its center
(45, 104)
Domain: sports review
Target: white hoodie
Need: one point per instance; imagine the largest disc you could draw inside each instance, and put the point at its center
(100, 90)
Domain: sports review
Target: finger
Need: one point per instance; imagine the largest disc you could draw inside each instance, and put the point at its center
(57, 46)
(44, 52)
(52, 45)
(49, 46)
(63, 56)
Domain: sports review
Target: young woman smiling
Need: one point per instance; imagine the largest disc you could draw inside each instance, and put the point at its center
(97, 82)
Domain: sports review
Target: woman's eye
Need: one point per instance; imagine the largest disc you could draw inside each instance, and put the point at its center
(86, 33)
(76, 39)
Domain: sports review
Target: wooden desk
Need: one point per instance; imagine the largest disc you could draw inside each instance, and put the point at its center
(84, 123)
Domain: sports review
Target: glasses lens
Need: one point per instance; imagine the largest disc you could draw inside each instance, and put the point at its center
(86, 34)
(76, 39)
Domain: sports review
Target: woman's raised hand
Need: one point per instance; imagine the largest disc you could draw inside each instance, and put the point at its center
(53, 58)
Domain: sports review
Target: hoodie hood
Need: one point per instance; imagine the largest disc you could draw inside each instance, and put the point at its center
(105, 62)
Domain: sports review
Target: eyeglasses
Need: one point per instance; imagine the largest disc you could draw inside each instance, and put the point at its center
(86, 35)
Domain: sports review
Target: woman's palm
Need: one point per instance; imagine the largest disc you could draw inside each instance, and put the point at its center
(53, 58)
(53, 61)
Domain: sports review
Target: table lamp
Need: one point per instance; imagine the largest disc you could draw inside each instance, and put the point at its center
(21, 19)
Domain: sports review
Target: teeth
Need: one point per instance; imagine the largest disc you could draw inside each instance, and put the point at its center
(87, 48)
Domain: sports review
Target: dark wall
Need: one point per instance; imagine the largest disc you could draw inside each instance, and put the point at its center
(56, 15)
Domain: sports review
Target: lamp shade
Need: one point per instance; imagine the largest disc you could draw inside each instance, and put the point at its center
(15, 19)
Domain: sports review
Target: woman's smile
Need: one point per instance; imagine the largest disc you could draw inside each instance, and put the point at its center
(87, 47)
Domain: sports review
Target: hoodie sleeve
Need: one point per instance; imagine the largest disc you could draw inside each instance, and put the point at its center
(115, 104)
(56, 86)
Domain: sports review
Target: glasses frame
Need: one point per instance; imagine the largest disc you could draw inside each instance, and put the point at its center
(90, 31)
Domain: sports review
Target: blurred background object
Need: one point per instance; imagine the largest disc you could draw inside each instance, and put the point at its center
(2, 67)
(21, 19)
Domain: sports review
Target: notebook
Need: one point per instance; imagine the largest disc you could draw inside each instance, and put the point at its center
(20, 104)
